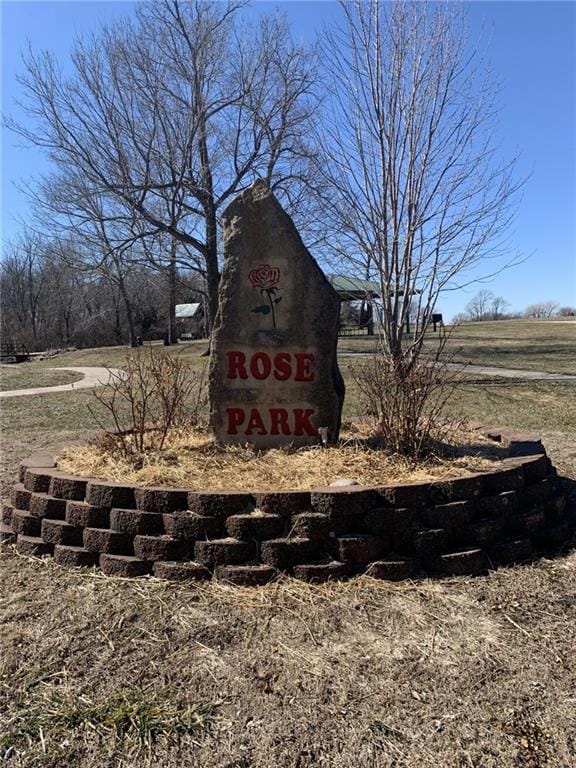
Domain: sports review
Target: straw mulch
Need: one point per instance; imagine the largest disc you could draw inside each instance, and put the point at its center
(190, 459)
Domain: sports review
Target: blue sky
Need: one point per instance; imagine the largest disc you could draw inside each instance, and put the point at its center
(531, 48)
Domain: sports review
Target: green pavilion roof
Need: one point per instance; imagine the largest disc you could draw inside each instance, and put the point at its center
(353, 287)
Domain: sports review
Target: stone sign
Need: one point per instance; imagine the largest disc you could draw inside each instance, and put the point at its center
(274, 377)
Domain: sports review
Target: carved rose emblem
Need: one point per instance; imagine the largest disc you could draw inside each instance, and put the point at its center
(264, 276)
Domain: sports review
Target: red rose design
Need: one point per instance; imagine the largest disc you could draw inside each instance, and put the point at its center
(264, 276)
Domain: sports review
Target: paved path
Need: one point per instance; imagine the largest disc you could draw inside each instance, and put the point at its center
(514, 373)
(486, 370)
(93, 377)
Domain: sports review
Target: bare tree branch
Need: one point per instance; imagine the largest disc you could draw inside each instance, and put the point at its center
(419, 197)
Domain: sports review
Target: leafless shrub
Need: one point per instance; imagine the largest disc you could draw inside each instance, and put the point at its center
(151, 394)
(410, 401)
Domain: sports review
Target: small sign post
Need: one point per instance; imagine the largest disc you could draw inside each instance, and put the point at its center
(437, 320)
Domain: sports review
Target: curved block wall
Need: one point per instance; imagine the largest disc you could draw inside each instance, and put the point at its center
(460, 526)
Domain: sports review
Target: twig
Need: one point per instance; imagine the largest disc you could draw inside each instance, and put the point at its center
(300, 656)
(514, 624)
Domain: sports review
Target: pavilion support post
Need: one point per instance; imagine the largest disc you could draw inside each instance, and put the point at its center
(370, 317)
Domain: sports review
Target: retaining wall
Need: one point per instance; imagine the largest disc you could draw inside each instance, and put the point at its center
(460, 526)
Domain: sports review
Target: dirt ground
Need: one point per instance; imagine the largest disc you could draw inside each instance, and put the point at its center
(462, 673)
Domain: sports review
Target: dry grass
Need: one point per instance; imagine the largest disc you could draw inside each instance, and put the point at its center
(101, 673)
(29, 375)
(189, 459)
(459, 673)
(538, 345)
(115, 357)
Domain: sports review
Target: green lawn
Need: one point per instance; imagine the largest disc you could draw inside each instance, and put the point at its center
(57, 413)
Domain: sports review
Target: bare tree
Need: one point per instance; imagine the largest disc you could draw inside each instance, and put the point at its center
(113, 240)
(173, 113)
(460, 317)
(420, 201)
(420, 198)
(479, 307)
(40, 293)
(91, 233)
(23, 282)
(541, 309)
(498, 307)
(63, 291)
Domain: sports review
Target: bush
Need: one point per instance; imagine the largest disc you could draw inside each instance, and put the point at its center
(151, 394)
(409, 400)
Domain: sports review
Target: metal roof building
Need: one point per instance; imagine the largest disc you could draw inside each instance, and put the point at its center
(186, 311)
(353, 288)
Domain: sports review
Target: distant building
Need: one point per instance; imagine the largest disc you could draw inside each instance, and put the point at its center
(355, 319)
(353, 288)
(360, 298)
(190, 321)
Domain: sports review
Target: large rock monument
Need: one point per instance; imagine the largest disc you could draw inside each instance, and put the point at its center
(274, 377)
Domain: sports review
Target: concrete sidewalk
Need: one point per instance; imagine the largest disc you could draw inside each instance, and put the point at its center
(96, 376)
(513, 373)
(486, 370)
(93, 377)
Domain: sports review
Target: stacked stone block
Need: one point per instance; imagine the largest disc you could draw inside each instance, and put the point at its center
(460, 526)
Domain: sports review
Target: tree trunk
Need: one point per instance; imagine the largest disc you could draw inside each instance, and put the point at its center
(67, 326)
(212, 272)
(171, 328)
(59, 325)
(128, 308)
(117, 324)
(31, 301)
(370, 317)
(209, 207)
